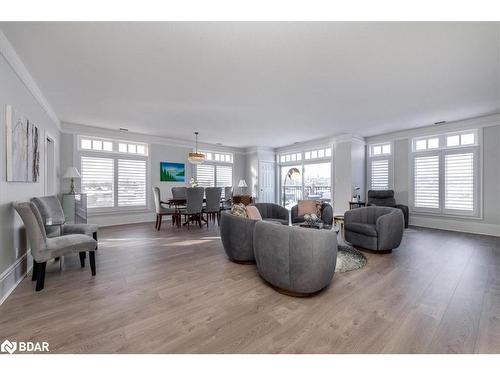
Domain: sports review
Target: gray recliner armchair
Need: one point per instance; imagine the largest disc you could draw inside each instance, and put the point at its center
(385, 198)
(374, 228)
(273, 212)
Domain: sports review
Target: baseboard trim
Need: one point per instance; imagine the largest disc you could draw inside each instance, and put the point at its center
(119, 219)
(474, 227)
(13, 275)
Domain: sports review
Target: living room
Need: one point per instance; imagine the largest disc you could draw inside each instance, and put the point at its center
(250, 187)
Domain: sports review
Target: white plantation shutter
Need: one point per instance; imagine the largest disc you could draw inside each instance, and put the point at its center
(131, 182)
(459, 181)
(98, 181)
(205, 175)
(426, 183)
(379, 174)
(224, 175)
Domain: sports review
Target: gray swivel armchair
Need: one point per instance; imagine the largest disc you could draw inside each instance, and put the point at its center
(50, 208)
(385, 198)
(326, 214)
(273, 212)
(44, 248)
(296, 261)
(236, 233)
(212, 205)
(194, 205)
(374, 228)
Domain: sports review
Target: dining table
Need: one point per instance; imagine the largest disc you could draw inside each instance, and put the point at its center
(180, 203)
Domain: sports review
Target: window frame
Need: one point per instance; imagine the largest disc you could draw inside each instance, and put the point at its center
(116, 156)
(441, 152)
(216, 163)
(388, 156)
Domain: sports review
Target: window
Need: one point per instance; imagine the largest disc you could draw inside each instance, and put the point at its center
(98, 181)
(427, 182)
(317, 181)
(284, 158)
(293, 191)
(380, 149)
(380, 166)
(379, 174)
(216, 171)
(459, 181)
(131, 182)
(446, 174)
(114, 173)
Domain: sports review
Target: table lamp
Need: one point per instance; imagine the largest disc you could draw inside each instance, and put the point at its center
(72, 173)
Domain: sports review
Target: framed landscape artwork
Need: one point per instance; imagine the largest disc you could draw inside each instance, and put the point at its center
(22, 145)
(172, 172)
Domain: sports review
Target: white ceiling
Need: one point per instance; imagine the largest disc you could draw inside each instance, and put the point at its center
(262, 84)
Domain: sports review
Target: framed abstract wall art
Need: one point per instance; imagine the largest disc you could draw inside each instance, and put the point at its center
(22, 145)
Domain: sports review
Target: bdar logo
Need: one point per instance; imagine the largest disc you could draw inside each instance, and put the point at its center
(8, 347)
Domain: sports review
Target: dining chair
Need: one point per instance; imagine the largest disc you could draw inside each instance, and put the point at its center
(44, 248)
(228, 198)
(163, 211)
(212, 205)
(194, 205)
(179, 192)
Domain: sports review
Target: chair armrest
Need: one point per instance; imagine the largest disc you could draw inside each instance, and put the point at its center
(353, 216)
(390, 229)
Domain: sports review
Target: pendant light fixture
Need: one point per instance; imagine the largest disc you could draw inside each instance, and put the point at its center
(196, 157)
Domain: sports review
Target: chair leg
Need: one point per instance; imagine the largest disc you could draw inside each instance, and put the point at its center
(92, 262)
(199, 220)
(159, 221)
(156, 223)
(40, 276)
(82, 258)
(34, 270)
(218, 218)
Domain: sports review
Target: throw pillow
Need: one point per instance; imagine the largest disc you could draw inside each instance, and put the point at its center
(308, 207)
(253, 213)
(239, 210)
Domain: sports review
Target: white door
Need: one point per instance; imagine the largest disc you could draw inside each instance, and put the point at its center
(266, 182)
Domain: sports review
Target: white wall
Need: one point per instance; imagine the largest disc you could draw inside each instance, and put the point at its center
(13, 245)
(489, 222)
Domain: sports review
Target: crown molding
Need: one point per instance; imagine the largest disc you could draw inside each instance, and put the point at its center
(95, 131)
(12, 58)
(475, 122)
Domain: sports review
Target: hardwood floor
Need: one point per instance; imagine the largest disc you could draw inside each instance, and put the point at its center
(174, 291)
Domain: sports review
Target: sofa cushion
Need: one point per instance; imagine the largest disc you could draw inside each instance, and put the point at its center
(253, 213)
(309, 207)
(366, 229)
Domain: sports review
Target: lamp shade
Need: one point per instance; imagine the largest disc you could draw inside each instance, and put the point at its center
(242, 183)
(293, 173)
(72, 172)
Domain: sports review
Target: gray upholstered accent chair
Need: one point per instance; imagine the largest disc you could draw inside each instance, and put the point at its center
(296, 261)
(385, 198)
(326, 214)
(273, 212)
(44, 248)
(50, 209)
(236, 233)
(163, 211)
(212, 204)
(374, 228)
(194, 205)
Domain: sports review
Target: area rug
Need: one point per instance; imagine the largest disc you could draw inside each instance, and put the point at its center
(349, 259)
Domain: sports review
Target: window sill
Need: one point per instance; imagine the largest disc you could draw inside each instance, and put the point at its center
(114, 211)
(446, 216)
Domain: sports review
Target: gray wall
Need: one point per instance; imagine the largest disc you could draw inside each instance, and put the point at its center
(13, 244)
(490, 221)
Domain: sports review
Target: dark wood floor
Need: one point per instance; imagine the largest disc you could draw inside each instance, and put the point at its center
(174, 291)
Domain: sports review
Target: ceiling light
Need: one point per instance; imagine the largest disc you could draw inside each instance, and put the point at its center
(196, 157)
